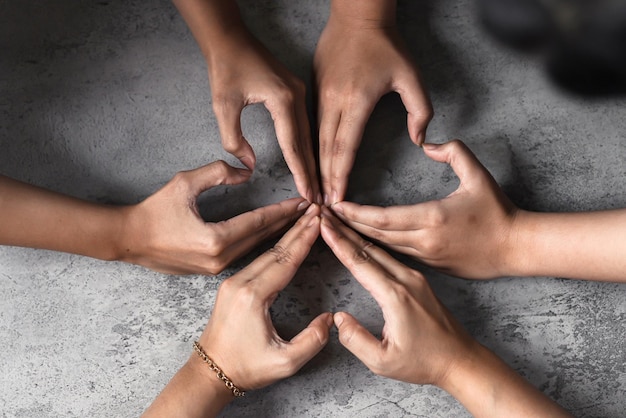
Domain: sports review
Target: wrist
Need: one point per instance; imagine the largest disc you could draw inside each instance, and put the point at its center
(523, 237)
(190, 393)
(208, 380)
(514, 260)
(474, 380)
(211, 22)
(365, 14)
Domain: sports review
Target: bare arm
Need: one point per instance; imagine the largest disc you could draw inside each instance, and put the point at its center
(38, 218)
(586, 245)
(164, 232)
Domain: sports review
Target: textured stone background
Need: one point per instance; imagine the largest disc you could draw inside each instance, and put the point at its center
(107, 100)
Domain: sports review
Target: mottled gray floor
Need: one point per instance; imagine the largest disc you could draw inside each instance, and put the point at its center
(107, 100)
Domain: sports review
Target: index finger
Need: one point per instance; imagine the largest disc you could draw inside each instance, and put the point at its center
(274, 269)
(392, 218)
(245, 225)
(345, 146)
(353, 253)
(291, 144)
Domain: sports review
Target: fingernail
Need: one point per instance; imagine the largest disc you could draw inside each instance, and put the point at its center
(421, 138)
(247, 161)
(337, 208)
(303, 205)
(338, 319)
(310, 209)
(328, 223)
(335, 197)
(329, 319)
(314, 220)
(430, 147)
(326, 199)
(319, 200)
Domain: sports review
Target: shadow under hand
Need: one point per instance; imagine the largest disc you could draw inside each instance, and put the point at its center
(443, 73)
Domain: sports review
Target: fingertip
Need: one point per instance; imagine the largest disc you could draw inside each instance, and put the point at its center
(339, 318)
(248, 161)
(325, 211)
(303, 205)
(430, 147)
(421, 138)
(328, 319)
(326, 222)
(315, 221)
(313, 208)
(337, 208)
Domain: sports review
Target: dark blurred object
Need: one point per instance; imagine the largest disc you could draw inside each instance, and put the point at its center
(519, 23)
(585, 40)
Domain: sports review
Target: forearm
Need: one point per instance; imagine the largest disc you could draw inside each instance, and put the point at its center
(364, 13)
(38, 218)
(588, 245)
(487, 387)
(191, 393)
(211, 22)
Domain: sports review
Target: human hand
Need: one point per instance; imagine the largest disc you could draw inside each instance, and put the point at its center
(240, 336)
(421, 340)
(357, 62)
(166, 233)
(242, 72)
(470, 233)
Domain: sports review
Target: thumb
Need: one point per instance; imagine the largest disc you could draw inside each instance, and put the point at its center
(458, 155)
(228, 116)
(357, 339)
(310, 341)
(418, 106)
(214, 174)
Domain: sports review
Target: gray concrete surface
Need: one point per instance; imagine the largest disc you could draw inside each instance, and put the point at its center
(107, 100)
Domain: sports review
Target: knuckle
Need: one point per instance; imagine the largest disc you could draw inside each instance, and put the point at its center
(378, 364)
(214, 246)
(456, 145)
(246, 295)
(360, 255)
(346, 335)
(228, 286)
(431, 246)
(400, 294)
(383, 220)
(330, 94)
(222, 103)
(281, 255)
(180, 178)
(216, 266)
(325, 147)
(286, 95)
(260, 220)
(220, 170)
(342, 148)
(437, 216)
(320, 337)
(426, 115)
(286, 365)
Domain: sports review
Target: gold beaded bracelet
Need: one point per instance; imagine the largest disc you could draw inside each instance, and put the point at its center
(220, 375)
